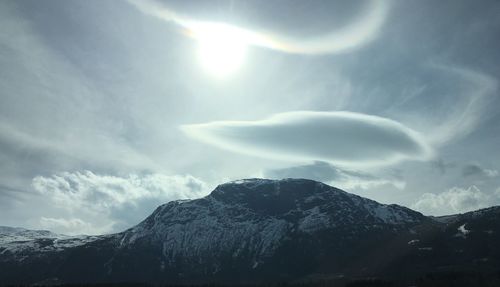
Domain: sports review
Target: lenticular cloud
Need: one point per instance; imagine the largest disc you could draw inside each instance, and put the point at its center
(337, 137)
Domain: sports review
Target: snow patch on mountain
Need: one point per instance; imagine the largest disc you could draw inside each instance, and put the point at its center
(391, 214)
(314, 220)
(39, 246)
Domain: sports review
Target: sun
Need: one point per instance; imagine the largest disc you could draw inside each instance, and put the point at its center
(221, 48)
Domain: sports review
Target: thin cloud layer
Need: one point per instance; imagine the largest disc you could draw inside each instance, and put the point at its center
(361, 31)
(349, 180)
(343, 138)
(475, 170)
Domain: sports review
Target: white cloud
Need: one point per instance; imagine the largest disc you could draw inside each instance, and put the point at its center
(71, 226)
(491, 172)
(455, 200)
(361, 31)
(352, 183)
(342, 138)
(102, 203)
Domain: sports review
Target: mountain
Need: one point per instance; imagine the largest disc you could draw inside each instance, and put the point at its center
(16, 234)
(259, 230)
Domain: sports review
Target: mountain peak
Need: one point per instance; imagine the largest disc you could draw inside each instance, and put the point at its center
(275, 196)
(245, 189)
(254, 182)
(288, 196)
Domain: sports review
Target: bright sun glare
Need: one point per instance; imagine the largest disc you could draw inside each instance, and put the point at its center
(222, 48)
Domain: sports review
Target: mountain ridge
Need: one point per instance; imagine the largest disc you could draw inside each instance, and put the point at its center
(255, 230)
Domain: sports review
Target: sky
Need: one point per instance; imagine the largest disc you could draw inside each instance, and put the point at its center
(109, 109)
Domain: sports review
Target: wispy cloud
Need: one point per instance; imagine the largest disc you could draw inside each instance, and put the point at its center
(52, 116)
(361, 31)
(337, 137)
(467, 107)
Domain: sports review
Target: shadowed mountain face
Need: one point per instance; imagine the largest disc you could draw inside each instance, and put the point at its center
(259, 230)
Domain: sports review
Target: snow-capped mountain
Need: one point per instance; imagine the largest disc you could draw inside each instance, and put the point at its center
(260, 214)
(16, 234)
(246, 231)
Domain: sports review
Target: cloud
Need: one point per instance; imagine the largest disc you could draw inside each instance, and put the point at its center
(101, 203)
(343, 138)
(468, 107)
(477, 170)
(345, 179)
(71, 226)
(455, 200)
(320, 171)
(53, 117)
(359, 32)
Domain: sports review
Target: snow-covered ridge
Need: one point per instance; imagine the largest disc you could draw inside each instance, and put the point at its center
(21, 242)
(13, 234)
(450, 219)
(39, 246)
